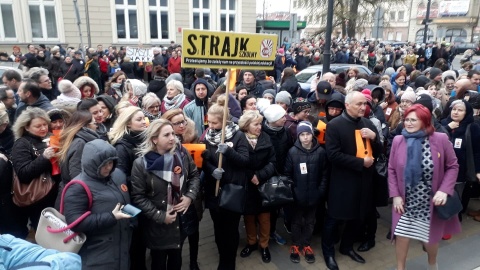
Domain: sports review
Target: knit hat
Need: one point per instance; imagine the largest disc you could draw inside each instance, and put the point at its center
(109, 102)
(270, 92)
(389, 71)
(139, 88)
(368, 95)
(421, 81)
(262, 104)
(273, 113)
(284, 97)
(449, 73)
(304, 126)
(434, 72)
(426, 101)
(281, 51)
(324, 90)
(68, 89)
(360, 84)
(300, 105)
(409, 95)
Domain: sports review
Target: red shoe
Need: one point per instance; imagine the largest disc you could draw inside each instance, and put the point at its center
(447, 237)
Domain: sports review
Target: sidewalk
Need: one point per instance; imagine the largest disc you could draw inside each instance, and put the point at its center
(459, 253)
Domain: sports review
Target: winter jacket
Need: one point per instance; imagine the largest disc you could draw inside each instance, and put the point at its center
(54, 68)
(78, 68)
(149, 193)
(235, 162)
(261, 162)
(254, 88)
(174, 65)
(126, 151)
(158, 60)
(158, 87)
(308, 170)
(280, 62)
(188, 75)
(108, 239)
(128, 68)
(6, 140)
(196, 110)
(42, 103)
(72, 166)
(67, 71)
(302, 62)
(20, 254)
(292, 87)
(281, 141)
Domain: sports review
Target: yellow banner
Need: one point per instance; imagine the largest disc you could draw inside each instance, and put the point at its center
(201, 48)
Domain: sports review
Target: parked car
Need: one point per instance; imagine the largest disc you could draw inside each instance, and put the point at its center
(462, 47)
(306, 76)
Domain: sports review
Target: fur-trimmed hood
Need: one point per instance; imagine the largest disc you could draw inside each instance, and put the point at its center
(83, 80)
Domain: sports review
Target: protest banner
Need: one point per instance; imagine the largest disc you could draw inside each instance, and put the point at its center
(196, 150)
(139, 54)
(228, 50)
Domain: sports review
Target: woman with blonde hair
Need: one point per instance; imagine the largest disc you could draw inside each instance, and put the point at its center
(165, 181)
(80, 129)
(31, 160)
(121, 106)
(260, 168)
(175, 98)
(183, 126)
(235, 161)
(151, 106)
(126, 136)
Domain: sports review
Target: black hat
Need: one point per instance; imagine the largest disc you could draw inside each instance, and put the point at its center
(421, 81)
(426, 101)
(93, 54)
(42, 46)
(324, 90)
(109, 102)
(300, 106)
(78, 52)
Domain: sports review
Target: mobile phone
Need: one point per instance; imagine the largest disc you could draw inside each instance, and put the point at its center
(131, 210)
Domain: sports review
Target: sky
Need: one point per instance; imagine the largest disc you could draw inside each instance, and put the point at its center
(273, 5)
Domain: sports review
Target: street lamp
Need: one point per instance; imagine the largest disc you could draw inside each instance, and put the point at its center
(328, 38)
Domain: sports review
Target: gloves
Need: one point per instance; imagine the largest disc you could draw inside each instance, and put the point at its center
(222, 148)
(217, 173)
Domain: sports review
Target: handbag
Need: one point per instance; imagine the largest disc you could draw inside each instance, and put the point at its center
(451, 208)
(381, 165)
(53, 232)
(27, 194)
(232, 197)
(276, 191)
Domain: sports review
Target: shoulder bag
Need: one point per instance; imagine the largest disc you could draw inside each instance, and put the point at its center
(27, 194)
(61, 78)
(232, 197)
(276, 191)
(53, 231)
(451, 208)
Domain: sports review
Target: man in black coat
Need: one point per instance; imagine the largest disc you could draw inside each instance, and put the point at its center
(302, 60)
(352, 143)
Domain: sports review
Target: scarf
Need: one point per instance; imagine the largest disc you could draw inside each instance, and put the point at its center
(273, 128)
(412, 173)
(150, 116)
(252, 140)
(167, 167)
(214, 136)
(175, 102)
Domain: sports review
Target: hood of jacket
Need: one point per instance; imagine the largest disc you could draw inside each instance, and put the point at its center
(83, 80)
(87, 134)
(95, 155)
(42, 102)
(337, 100)
(198, 101)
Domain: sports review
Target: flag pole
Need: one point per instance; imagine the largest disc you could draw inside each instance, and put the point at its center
(224, 124)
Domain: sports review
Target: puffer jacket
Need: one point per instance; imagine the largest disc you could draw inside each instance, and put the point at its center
(281, 141)
(72, 166)
(235, 161)
(261, 162)
(108, 239)
(150, 193)
(292, 87)
(310, 187)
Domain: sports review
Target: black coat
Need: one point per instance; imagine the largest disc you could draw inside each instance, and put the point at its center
(126, 152)
(128, 68)
(67, 71)
(262, 164)
(78, 68)
(54, 67)
(351, 186)
(291, 86)
(6, 140)
(149, 193)
(72, 166)
(310, 187)
(108, 239)
(26, 163)
(302, 62)
(235, 161)
(158, 87)
(281, 141)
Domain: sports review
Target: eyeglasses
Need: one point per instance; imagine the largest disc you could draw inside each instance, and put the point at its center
(184, 123)
(411, 120)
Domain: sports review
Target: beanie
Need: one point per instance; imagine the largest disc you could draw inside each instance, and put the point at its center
(273, 113)
(68, 89)
(109, 102)
(281, 51)
(421, 81)
(434, 72)
(360, 84)
(304, 126)
(284, 97)
(389, 71)
(409, 95)
(300, 106)
(270, 92)
(426, 101)
(262, 104)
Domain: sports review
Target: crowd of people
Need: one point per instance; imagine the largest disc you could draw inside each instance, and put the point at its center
(122, 133)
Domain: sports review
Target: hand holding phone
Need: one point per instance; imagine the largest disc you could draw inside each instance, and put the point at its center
(131, 210)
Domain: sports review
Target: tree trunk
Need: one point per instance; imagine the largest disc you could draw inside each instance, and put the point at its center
(352, 20)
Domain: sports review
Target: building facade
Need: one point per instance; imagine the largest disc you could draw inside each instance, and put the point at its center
(118, 22)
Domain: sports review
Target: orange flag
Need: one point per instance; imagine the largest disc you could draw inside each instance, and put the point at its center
(232, 73)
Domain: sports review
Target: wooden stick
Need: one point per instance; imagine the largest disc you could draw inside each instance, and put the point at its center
(224, 124)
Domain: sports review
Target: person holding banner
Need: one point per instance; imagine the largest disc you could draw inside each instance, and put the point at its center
(236, 159)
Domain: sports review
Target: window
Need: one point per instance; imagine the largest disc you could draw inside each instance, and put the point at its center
(43, 19)
(456, 35)
(7, 26)
(399, 36)
(419, 35)
(401, 15)
(126, 14)
(227, 15)
(392, 16)
(201, 14)
(390, 36)
(158, 13)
